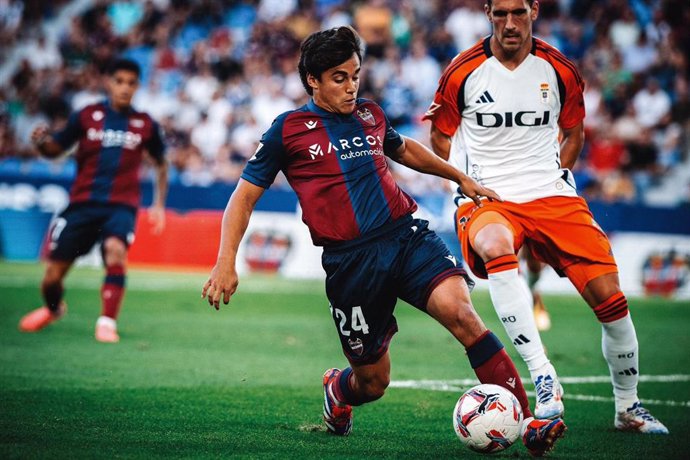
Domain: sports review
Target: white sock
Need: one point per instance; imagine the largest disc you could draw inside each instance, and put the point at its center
(106, 321)
(619, 346)
(513, 304)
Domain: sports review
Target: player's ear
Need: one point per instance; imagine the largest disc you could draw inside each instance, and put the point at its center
(312, 81)
(535, 10)
(487, 10)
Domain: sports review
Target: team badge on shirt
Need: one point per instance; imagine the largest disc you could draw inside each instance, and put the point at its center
(366, 116)
(137, 123)
(544, 88)
(97, 115)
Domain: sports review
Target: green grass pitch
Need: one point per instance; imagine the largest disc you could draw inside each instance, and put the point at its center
(188, 381)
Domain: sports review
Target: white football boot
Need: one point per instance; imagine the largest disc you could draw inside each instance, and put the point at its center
(549, 404)
(637, 418)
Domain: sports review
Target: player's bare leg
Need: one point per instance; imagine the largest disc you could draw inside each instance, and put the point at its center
(353, 386)
(52, 290)
(620, 348)
(112, 290)
(451, 306)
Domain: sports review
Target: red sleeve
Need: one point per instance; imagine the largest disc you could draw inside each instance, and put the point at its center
(571, 85)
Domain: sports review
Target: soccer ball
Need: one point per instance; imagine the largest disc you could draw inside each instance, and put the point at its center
(487, 418)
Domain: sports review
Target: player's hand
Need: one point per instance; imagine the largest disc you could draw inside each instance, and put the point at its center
(474, 191)
(39, 135)
(222, 282)
(156, 215)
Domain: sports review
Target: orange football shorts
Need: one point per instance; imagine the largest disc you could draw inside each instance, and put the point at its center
(561, 231)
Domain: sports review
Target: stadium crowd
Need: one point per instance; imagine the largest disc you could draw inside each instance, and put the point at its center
(216, 73)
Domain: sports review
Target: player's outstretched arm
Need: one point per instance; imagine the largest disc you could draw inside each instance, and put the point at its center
(45, 143)
(415, 155)
(223, 279)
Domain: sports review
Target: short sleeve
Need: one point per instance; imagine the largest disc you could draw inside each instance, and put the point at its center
(393, 140)
(268, 159)
(71, 132)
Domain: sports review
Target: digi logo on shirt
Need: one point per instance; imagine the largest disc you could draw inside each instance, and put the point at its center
(510, 119)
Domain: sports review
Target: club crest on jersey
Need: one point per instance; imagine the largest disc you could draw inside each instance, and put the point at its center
(366, 116)
(137, 123)
(97, 115)
(544, 90)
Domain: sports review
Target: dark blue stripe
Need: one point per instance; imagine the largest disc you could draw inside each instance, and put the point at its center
(117, 280)
(109, 157)
(366, 197)
(481, 352)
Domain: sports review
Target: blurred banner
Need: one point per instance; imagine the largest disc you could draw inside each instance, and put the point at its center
(651, 245)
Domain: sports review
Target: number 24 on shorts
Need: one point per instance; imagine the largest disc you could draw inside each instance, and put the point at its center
(357, 321)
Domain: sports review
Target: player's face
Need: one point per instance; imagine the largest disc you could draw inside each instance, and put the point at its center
(512, 23)
(121, 87)
(336, 91)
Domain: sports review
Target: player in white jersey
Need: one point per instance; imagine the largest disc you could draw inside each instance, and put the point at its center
(509, 112)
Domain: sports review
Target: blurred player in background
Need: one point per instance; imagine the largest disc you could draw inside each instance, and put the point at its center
(333, 152)
(112, 139)
(496, 115)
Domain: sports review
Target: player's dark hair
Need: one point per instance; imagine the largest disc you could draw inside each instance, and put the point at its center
(490, 2)
(326, 49)
(124, 64)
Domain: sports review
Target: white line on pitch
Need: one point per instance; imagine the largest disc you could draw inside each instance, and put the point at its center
(462, 385)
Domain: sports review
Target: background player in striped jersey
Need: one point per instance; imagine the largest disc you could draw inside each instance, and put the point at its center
(497, 115)
(333, 152)
(112, 139)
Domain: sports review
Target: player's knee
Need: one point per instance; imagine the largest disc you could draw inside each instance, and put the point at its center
(493, 241)
(114, 251)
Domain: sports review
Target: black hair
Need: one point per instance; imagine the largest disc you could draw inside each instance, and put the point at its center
(124, 64)
(490, 2)
(326, 49)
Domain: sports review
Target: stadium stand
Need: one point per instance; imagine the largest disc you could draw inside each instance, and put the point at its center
(216, 73)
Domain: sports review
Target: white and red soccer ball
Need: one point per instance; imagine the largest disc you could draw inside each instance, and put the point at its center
(487, 418)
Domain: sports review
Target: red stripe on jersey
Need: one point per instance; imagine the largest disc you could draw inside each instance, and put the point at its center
(87, 162)
(315, 190)
(573, 104)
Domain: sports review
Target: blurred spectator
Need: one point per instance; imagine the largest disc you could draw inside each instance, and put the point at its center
(208, 136)
(43, 54)
(234, 60)
(467, 23)
(373, 21)
(641, 56)
(652, 105)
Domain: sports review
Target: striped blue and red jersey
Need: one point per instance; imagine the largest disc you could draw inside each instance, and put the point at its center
(109, 153)
(337, 166)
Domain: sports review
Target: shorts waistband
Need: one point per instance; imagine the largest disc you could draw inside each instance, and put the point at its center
(370, 236)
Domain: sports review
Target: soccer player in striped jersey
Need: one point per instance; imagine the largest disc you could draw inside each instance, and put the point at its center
(498, 114)
(333, 151)
(112, 139)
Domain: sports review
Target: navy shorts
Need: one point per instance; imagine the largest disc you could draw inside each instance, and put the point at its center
(74, 232)
(365, 278)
